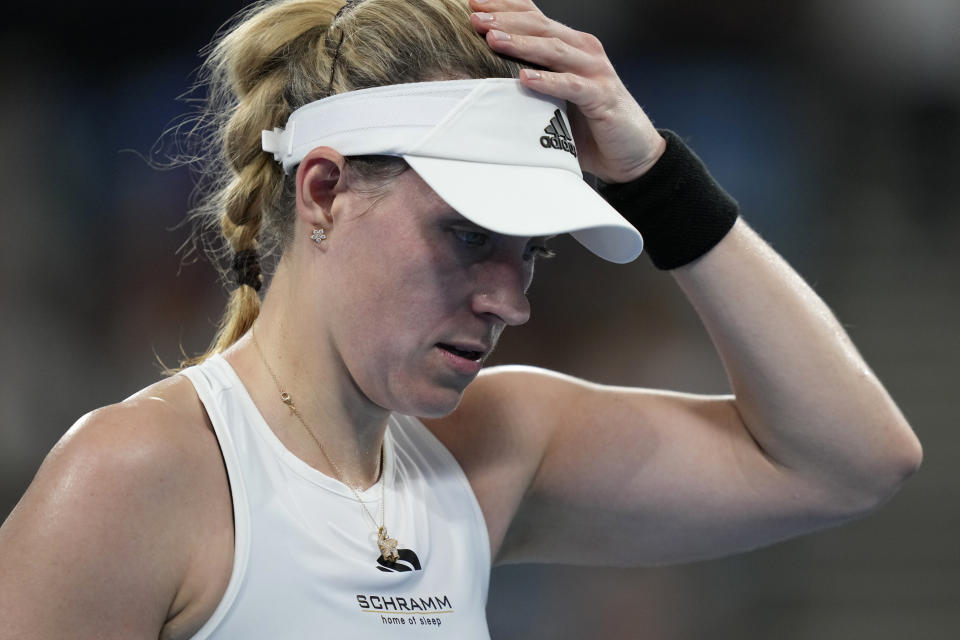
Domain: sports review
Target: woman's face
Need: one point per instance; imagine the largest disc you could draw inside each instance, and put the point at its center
(420, 295)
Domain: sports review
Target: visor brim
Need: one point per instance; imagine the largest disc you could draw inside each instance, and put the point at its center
(523, 200)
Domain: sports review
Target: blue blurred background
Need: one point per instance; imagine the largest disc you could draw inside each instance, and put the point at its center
(835, 123)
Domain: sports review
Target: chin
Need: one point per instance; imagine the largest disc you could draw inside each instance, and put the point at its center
(435, 412)
(433, 403)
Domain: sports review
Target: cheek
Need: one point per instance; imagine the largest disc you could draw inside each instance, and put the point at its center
(401, 278)
(397, 294)
(393, 309)
(391, 357)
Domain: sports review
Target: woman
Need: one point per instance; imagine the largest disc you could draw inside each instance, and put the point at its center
(282, 488)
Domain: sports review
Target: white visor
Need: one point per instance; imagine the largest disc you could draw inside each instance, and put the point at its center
(501, 155)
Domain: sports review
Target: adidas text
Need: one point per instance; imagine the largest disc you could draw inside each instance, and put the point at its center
(556, 142)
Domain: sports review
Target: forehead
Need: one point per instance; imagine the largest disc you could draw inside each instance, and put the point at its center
(409, 190)
(415, 196)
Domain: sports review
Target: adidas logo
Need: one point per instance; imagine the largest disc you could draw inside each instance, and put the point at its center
(558, 135)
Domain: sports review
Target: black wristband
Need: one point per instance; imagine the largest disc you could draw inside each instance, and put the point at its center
(677, 206)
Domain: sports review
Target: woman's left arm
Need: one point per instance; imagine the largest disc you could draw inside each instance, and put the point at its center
(804, 400)
(800, 386)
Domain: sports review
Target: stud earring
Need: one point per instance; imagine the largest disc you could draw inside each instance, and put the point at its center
(318, 236)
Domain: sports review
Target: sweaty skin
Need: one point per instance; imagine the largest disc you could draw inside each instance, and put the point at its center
(127, 533)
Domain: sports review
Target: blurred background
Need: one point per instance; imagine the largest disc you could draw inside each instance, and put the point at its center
(835, 123)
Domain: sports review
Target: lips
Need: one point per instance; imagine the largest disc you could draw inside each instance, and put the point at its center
(465, 351)
(464, 359)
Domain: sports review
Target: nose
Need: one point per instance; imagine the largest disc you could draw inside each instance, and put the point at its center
(502, 290)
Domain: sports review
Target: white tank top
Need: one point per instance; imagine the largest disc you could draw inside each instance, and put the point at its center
(306, 563)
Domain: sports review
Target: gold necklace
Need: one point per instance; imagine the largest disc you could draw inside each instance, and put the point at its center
(388, 546)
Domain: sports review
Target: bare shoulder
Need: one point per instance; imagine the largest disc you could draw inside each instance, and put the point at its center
(141, 450)
(158, 425)
(152, 447)
(499, 434)
(107, 528)
(499, 411)
(506, 407)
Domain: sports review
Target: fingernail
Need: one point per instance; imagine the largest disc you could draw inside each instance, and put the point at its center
(480, 1)
(530, 74)
(484, 17)
(500, 35)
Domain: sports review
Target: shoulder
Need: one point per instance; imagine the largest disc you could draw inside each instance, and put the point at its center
(500, 396)
(500, 432)
(520, 388)
(158, 431)
(108, 521)
(150, 464)
(133, 462)
(524, 398)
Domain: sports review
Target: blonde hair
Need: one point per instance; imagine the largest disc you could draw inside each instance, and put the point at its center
(276, 56)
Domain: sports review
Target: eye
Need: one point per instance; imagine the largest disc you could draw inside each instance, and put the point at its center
(470, 237)
(539, 252)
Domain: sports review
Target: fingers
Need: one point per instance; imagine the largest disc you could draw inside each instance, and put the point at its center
(573, 65)
(570, 87)
(503, 5)
(533, 37)
(615, 139)
(528, 22)
(548, 52)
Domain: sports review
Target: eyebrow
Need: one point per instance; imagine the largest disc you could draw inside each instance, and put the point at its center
(456, 217)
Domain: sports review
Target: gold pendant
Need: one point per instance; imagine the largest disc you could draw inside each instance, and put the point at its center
(388, 546)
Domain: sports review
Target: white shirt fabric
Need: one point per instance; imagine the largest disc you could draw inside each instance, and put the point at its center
(306, 558)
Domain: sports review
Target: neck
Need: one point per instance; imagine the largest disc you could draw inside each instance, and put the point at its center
(348, 426)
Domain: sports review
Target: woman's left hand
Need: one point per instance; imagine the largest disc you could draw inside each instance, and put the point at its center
(615, 139)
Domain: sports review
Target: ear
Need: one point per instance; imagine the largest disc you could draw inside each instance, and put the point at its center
(319, 181)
